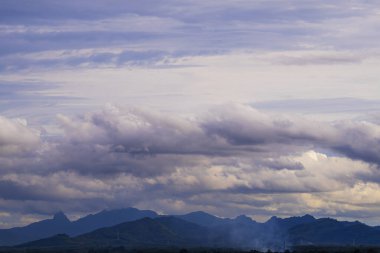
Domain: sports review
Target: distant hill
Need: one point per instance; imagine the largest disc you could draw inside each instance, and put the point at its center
(203, 219)
(60, 224)
(237, 232)
(241, 232)
(146, 232)
(107, 219)
(328, 231)
(284, 224)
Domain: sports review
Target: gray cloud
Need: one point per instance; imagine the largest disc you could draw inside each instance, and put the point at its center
(106, 158)
(327, 105)
(33, 97)
(16, 138)
(135, 138)
(14, 191)
(320, 59)
(358, 141)
(16, 10)
(189, 27)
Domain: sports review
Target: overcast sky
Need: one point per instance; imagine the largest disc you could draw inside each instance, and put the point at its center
(232, 107)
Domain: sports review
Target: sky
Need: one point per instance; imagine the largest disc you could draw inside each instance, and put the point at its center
(232, 107)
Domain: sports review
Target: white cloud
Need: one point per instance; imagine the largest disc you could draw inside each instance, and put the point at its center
(16, 138)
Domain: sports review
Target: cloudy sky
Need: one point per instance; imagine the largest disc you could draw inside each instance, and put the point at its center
(232, 107)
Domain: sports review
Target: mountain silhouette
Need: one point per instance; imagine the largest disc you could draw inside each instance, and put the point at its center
(60, 224)
(327, 231)
(147, 232)
(107, 218)
(131, 227)
(60, 217)
(35, 230)
(241, 232)
(284, 224)
(203, 219)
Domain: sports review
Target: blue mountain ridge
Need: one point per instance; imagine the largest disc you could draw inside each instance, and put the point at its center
(60, 224)
(131, 227)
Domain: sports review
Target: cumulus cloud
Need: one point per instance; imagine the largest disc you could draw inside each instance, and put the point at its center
(144, 143)
(358, 140)
(16, 138)
(233, 158)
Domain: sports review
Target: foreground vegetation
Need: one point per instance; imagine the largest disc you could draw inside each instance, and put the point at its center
(298, 249)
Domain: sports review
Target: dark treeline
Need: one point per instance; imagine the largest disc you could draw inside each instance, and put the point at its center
(121, 249)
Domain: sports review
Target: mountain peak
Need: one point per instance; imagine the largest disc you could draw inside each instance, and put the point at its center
(199, 213)
(243, 218)
(60, 216)
(201, 218)
(308, 217)
(273, 219)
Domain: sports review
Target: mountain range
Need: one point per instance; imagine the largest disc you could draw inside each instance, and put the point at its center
(61, 224)
(135, 228)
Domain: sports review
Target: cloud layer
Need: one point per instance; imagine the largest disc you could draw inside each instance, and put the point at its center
(125, 33)
(233, 158)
